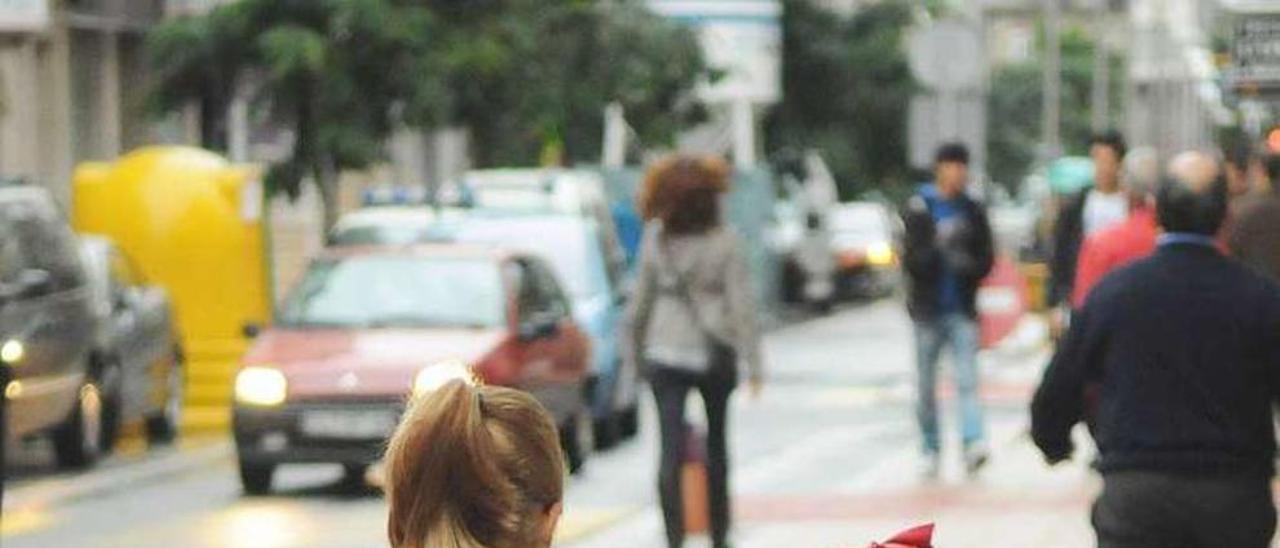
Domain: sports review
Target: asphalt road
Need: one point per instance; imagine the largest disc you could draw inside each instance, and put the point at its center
(835, 417)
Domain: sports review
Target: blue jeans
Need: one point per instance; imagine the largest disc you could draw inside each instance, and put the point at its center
(960, 332)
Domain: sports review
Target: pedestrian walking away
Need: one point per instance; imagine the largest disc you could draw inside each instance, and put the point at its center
(1254, 238)
(1183, 348)
(693, 318)
(947, 253)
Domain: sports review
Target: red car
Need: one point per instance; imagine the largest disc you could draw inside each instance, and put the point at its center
(367, 327)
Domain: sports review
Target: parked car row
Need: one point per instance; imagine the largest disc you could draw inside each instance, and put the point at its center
(90, 345)
(517, 282)
(848, 251)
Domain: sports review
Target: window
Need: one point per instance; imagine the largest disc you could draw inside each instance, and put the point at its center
(122, 271)
(123, 275)
(553, 297)
(47, 243)
(12, 258)
(531, 299)
(377, 291)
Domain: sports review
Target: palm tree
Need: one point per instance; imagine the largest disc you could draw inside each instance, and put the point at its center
(339, 74)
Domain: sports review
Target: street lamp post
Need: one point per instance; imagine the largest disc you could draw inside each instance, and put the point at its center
(1051, 109)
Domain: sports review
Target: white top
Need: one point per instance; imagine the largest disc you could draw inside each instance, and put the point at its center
(1103, 210)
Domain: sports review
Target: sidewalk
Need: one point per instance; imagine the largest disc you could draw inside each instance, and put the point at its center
(1016, 500)
(850, 485)
(29, 501)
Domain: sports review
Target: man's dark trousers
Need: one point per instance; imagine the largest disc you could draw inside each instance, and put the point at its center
(1161, 510)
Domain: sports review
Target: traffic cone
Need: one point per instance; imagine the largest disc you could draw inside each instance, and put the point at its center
(693, 482)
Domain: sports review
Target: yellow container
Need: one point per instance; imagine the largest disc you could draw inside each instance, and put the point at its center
(193, 224)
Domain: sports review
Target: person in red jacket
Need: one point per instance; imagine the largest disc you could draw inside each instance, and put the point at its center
(1133, 239)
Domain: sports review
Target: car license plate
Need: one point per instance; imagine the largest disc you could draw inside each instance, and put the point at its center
(348, 424)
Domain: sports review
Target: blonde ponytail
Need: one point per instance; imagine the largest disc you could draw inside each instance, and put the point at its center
(472, 467)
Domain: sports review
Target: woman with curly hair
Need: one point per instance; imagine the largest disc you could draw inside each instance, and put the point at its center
(693, 319)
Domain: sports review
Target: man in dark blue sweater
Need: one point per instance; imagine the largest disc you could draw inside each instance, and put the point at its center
(1174, 362)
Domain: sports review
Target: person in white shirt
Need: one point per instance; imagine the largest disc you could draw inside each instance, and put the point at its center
(1103, 205)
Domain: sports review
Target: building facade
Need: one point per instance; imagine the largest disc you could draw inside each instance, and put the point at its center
(73, 82)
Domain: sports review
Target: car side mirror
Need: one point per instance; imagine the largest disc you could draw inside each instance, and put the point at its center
(251, 330)
(539, 326)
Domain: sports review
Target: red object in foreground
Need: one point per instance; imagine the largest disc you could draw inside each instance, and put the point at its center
(1002, 301)
(920, 537)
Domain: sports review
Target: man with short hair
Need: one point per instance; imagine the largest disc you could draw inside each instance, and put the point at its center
(1184, 347)
(947, 252)
(1093, 210)
(1254, 237)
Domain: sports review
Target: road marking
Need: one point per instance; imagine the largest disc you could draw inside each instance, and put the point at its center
(67, 489)
(579, 522)
(793, 460)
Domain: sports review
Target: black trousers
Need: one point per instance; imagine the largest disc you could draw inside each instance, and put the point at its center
(1150, 510)
(671, 388)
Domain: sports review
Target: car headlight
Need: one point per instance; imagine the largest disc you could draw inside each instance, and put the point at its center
(12, 352)
(262, 386)
(432, 377)
(880, 254)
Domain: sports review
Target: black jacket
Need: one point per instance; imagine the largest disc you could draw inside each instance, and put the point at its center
(1182, 350)
(1068, 236)
(924, 258)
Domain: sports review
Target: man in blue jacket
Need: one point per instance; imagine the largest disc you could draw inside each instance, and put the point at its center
(946, 254)
(1175, 363)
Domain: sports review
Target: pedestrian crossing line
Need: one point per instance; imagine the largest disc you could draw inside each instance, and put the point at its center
(856, 397)
(900, 469)
(993, 392)
(579, 522)
(25, 521)
(777, 469)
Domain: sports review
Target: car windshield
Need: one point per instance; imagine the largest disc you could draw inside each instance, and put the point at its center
(526, 194)
(867, 222)
(567, 245)
(396, 291)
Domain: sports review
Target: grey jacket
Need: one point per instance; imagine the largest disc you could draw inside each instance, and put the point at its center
(663, 329)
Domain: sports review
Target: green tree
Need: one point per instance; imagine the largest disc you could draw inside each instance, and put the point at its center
(1013, 110)
(526, 76)
(339, 74)
(847, 88)
(536, 76)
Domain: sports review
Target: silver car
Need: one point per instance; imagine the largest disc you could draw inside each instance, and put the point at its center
(142, 377)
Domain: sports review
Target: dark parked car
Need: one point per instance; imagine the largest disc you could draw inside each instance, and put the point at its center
(46, 329)
(142, 373)
(366, 327)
